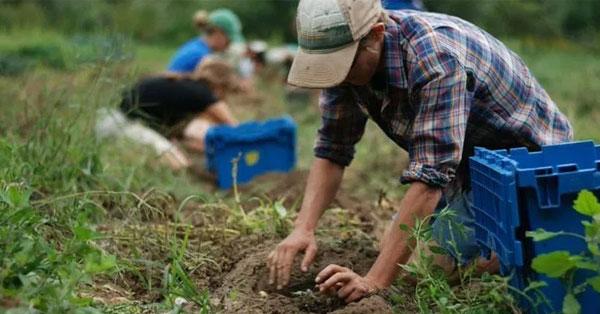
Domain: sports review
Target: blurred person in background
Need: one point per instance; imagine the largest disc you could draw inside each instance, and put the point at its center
(255, 60)
(157, 109)
(249, 64)
(221, 29)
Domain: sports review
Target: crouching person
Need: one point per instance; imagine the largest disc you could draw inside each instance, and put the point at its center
(437, 86)
(160, 111)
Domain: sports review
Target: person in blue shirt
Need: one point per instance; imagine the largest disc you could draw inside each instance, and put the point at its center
(221, 28)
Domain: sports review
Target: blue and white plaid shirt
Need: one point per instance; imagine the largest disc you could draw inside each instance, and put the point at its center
(446, 87)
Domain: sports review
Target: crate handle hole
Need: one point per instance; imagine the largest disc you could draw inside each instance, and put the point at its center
(597, 165)
(567, 168)
(543, 171)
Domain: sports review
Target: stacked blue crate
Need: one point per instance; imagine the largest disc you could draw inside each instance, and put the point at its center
(260, 147)
(519, 191)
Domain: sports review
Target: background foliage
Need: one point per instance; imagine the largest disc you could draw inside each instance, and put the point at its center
(169, 21)
(84, 220)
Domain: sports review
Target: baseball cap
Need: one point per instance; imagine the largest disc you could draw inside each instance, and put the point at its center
(226, 20)
(328, 35)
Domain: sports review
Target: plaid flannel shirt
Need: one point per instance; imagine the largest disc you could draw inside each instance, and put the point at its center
(447, 86)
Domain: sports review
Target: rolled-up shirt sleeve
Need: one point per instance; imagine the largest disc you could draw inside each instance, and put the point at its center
(342, 126)
(439, 94)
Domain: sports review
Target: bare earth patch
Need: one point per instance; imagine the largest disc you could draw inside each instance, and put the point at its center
(245, 289)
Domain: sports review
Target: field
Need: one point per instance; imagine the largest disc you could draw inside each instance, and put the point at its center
(90, 225)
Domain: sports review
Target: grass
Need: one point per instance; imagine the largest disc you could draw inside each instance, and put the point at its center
(571, 76)
(85, 223)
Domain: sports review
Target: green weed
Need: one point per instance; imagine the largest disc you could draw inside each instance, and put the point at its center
(40, 273)
(563, 265)
(436, 292)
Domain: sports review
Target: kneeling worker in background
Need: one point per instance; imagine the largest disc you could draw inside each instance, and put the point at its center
(221, 28)
(158, 108)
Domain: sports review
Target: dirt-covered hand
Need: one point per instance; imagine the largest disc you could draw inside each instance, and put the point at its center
(348, 285)
(281, 259)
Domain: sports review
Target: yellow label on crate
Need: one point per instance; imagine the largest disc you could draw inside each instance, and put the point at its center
(251, 158)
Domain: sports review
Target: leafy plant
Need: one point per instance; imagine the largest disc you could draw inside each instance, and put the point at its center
(35, 272)
(268, 217)
(563, 265)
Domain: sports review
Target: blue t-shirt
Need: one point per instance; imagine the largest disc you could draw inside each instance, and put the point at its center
(188, 56)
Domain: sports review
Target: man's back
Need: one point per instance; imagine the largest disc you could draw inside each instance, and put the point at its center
(503, 92)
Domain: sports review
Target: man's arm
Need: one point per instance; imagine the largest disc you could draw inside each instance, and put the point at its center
(323, 182)
(419, 202)
(442, 103)
(342, 126)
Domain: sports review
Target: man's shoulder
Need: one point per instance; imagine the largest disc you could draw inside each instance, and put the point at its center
(409, 19)
(416, 25)
(428, 34)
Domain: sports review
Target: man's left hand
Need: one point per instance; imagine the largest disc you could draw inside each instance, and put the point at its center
(349, 285)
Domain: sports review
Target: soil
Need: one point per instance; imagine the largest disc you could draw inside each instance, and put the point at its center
(246, 290)
(237, 280)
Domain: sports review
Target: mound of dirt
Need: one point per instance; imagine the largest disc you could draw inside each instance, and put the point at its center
(288, 187)
(246, 290)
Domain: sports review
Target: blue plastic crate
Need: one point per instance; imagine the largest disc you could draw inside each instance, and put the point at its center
(261, 147)
(598, 157)
(519, 191)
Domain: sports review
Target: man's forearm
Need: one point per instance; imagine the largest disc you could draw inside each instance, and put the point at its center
(420, 200)
(323, 182)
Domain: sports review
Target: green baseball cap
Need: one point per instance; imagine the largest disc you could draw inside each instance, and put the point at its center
(229, 22)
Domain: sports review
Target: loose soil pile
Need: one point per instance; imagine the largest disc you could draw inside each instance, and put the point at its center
(246, 290)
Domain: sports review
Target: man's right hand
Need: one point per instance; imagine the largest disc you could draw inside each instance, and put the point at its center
(281, 259)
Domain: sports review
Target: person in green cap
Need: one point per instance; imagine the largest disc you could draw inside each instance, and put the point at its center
(221, 28)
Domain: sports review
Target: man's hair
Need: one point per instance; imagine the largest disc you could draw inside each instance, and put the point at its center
(217, 73)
